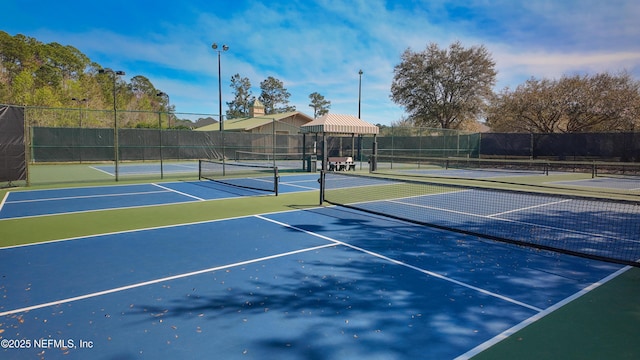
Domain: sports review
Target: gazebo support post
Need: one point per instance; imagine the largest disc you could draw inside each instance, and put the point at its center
(373, 163)
(304, 151)
(353, 145)
(323, 171)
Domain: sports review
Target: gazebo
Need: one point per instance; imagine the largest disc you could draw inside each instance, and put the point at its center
(341, 125)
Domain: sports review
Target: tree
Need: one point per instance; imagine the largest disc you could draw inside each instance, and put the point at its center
(587, 103)
(67, 60)
(48, 75)
(141, 86)
(17, 54)
(52, 75)
(239, 106)
(274, 96)
(602, 102)
(444, 87)
(531, 107)
(319, 104)
(22, 87)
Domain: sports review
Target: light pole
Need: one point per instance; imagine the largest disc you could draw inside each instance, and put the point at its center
(359, 91)
(359, 102)
(162, 95)
(221, 124)
(224, 48)
(166, 97)
(78, 101)
(114, 74)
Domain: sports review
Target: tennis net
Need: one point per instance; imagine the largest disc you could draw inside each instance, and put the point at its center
(450, 166)
(602, 229)
(248, 176)
(407, 164)
(265, 157)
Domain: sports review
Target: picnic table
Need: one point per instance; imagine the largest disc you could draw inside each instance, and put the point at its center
(341, 163)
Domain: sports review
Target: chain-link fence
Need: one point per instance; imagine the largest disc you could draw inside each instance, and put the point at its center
(98, 145)
(624, 147)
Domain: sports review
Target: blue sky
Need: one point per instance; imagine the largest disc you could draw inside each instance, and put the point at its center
(319, 45)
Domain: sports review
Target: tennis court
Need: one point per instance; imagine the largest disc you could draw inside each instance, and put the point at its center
(630, 184)
(319, 282)
(148, 168)
(68, 200)
(470, 174)
(177, 168)
(614, 176)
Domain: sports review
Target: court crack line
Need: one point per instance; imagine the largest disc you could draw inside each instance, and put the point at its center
(398, 262)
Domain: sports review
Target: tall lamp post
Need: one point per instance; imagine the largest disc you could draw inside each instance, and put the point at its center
(114, 75)
(78, 101)
(359, 91)
(165, 96)
(359, 102)
(224, 48)
(221, 124)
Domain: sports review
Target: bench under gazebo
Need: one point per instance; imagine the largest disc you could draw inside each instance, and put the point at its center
(338, 124)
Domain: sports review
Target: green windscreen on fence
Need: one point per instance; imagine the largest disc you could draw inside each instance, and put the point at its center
(13, 165)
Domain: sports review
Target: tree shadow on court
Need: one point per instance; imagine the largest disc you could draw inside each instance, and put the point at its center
(336, 303)
(395, 299)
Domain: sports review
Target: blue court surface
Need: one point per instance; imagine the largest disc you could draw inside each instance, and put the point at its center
(321, 283)
(631, 184)
(469, 173)
(183, 167)
(56, 201)
(149, 168)
(618, 183)
(324, 283)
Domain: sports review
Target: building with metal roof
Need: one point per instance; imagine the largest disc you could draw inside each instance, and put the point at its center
(258, 122)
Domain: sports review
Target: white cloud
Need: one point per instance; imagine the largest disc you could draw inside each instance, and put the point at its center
(320, 46)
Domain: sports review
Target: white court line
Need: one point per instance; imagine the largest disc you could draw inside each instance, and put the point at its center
(86, 197)
(85, 187)
(397, 262)
(492, 217)
(138, 230)
(4, 199)
(160, 280)
(186, 166)
(106, 209)
(299, 186)
(529, 207)
(102, 171)
(107, 195)
(178, 192)
(284, 180)
(505, 334)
